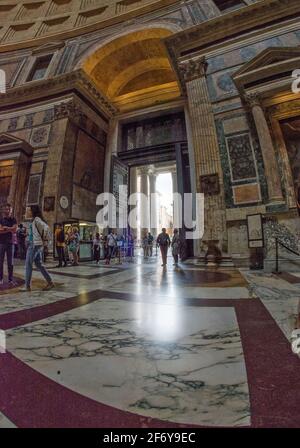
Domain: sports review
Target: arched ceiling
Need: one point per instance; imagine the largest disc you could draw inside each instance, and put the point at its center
(134, 64)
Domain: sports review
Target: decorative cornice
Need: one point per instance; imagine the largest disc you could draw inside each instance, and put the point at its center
(213, 34)
(48, 47)
(192, 69)
(38, 90)
(215, 31)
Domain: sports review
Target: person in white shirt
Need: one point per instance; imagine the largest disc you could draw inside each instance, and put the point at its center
(38, 237)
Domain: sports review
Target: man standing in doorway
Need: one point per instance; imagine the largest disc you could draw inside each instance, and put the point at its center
(163, 240)
(8, 226)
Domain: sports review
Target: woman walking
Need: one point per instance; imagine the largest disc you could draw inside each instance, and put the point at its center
(175, 246)
(96, 248)
(74, 245)
(38, 237)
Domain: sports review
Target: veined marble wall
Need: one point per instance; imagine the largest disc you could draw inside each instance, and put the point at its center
(234, 123)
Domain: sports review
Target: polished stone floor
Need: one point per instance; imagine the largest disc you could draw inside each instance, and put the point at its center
(134, 345)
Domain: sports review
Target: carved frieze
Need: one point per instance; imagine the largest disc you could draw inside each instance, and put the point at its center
(68, 109)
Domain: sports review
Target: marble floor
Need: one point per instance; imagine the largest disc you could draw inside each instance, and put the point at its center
(134, 345)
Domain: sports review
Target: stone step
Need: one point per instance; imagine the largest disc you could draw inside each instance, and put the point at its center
(200, 261)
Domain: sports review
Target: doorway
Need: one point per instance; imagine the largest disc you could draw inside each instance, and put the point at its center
(151, 149)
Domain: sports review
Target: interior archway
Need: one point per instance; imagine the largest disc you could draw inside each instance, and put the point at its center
(133, 70)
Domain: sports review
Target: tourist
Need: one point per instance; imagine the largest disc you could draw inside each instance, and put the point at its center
(39, 235)
(74, 245)
(111, 246)
(175, 246)
(150, 244)
(163, 240)
(96, 248)
(21, 239)
(102, 246)
(15, 245)
(60, 245)
(8, 227)
(145, 245)
(130, 244)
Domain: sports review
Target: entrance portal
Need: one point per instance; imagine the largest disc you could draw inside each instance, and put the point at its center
(150, 147)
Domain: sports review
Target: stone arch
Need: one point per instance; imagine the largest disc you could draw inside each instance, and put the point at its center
(164, 25)
(133, 66)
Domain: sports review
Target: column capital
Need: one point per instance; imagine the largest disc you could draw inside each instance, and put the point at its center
(253, 99)
(193, 68)
(144, 170)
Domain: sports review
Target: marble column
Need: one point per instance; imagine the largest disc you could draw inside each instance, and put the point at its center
(144, 207)
(175, 190)
(267, 149)
(174, 181)
(133, 189)
(206, 149)
(153, 203)
(286, 166)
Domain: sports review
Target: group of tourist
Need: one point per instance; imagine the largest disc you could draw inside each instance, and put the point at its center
(32, 243)
(67, 245)
(109, 246)
(164, 242)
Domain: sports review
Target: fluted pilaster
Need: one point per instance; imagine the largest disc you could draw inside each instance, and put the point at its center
(206, 148)
(267, 148)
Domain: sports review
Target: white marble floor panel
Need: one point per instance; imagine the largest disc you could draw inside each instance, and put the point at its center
(5, 422)
(279, 297)
(177, 363)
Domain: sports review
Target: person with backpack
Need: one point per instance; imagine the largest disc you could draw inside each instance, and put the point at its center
(39, 236)
(60, 245)
(163, 240)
